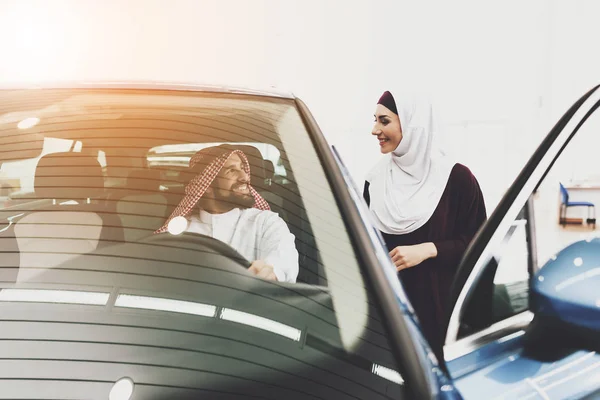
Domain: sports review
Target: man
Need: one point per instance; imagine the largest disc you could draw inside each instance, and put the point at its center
(231, 211)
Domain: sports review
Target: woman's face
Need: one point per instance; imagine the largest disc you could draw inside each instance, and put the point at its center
(387, 129)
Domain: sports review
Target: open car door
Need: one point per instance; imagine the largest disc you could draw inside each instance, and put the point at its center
(526, 302)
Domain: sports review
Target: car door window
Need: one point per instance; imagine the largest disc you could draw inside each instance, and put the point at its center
(502, 290)
(568, 214)
(532, 223)
(565, 155)
(563, 210)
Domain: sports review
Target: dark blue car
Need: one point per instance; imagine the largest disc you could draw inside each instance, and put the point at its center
(95, 305)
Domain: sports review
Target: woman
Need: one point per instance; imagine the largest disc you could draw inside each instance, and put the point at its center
(427, 207)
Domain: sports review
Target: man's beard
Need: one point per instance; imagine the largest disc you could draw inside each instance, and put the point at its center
(236, 200)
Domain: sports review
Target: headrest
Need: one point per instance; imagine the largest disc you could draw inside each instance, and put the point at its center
(68, 176)
(144, 179)
(269, 169)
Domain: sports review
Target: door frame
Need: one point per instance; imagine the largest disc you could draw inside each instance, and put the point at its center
(494, 230)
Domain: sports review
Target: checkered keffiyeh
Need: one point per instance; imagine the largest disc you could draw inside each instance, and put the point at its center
(197, 186)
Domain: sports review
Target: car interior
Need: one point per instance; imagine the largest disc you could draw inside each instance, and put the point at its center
(122, 201)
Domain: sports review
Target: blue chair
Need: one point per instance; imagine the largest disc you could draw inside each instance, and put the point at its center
(591, 219)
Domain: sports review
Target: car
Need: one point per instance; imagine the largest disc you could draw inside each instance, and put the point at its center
(94, 304)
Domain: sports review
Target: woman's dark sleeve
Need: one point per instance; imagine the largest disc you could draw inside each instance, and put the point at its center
(470, 215)
(366, 195)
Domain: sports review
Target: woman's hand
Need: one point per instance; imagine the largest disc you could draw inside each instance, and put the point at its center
(410, 256)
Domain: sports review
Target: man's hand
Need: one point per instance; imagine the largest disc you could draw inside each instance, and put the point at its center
(262, 270)
(410, 256)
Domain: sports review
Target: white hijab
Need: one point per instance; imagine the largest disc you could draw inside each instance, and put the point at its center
(406, 185)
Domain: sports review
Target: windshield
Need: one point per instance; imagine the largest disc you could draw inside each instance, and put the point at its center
(89, 176)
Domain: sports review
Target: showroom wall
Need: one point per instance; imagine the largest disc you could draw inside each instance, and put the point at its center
(502, 72)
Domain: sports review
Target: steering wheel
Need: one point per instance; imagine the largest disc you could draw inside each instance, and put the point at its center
(197, 238)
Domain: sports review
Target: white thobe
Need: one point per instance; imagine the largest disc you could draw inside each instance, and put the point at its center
(255, 234)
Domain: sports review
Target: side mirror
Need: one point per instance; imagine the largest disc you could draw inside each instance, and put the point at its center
(565, 291)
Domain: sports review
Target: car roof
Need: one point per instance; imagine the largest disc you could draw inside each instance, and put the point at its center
(149, 85)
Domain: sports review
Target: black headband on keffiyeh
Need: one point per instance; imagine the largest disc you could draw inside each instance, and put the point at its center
(198, 186)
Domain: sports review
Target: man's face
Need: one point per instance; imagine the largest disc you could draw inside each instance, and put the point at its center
(231, 186)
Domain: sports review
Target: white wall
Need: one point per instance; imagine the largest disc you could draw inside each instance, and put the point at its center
(574, 62)
(502, 70)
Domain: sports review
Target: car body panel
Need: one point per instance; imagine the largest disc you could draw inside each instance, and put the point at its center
(502, 371)
(148, 85)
